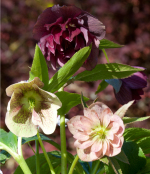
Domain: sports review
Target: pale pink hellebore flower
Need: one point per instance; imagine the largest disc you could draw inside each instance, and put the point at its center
(99, 132)
(31, 107)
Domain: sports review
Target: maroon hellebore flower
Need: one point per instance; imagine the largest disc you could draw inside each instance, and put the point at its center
(62, 31)
(131, 88)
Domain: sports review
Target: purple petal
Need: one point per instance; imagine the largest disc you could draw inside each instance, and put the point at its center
(94, 25)
(136, 81)
(91, 62)
(58, 21)
(124, 95)
(80, 42)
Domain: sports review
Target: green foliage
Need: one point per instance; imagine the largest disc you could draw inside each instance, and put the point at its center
(7, 140)
(83, 101)
(65, 73)
(107, 71)
(39, 68)
(144, 143)
(103, 84)
(122, 157)
(55, 158)
(136, 158)
(128, 120)
(104, 43)
(68, 100)
(146, 168)
(70, 157)
(135, 134)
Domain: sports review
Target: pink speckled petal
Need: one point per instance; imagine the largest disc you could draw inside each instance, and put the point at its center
(118, 120)
(104, 147)
(105, 120)
(115, 142)
(86, 123)
(87, 155)
(97, 146)
(110, 135)
(81, 136)
(92, 115)
(74, 124)
(114, 127)
(86, 144)
(99, 107)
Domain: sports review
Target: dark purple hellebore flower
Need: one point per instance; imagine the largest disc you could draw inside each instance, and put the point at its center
(62, 31)
(131, 88)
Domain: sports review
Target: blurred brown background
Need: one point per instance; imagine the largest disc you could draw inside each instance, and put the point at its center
(127, 23)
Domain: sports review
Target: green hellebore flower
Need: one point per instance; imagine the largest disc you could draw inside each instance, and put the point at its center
(31, 107)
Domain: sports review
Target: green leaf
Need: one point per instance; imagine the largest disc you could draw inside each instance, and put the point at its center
(104, 160)
(144, 143)
(65, 73)
(9, 140)
(146, 168)
(68, 101)
(103, 84)
(4, 155)
(135, 157)
(104, 43)
(135, 134)
(128, 120)
(107, 71)
(122, 157)
(39, 68)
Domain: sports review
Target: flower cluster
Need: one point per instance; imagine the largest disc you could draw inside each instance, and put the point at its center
(99, 132)
(62, 31)
(30, 107)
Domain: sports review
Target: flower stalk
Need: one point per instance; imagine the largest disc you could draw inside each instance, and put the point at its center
(106, 55)
(45, 154)
(96, 167)
(37, 157)
(73, 164)
(63, 145)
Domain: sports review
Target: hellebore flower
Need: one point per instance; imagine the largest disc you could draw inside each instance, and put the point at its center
(62, 31)
(31, 107)
(130, 88)
(99, 132)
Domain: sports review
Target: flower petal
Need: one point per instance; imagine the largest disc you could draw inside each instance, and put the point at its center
(81, 136)
(97, 146)
(19, 122)
(94, 25)
(92, 115)
(87, 155)
(99, 107)
(23, 85)
(86, 144)
(46, 119)
(73, 129)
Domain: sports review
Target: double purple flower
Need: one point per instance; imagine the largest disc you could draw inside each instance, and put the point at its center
(62, 31)
(130, 88)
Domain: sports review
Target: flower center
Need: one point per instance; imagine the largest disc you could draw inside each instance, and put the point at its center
(99, 133)
(31, 103)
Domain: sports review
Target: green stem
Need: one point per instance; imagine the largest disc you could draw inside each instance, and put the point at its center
(96, 167)
(45, 154)
(63, 145)
(105, 55)
(37, 157)
(73, 164)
